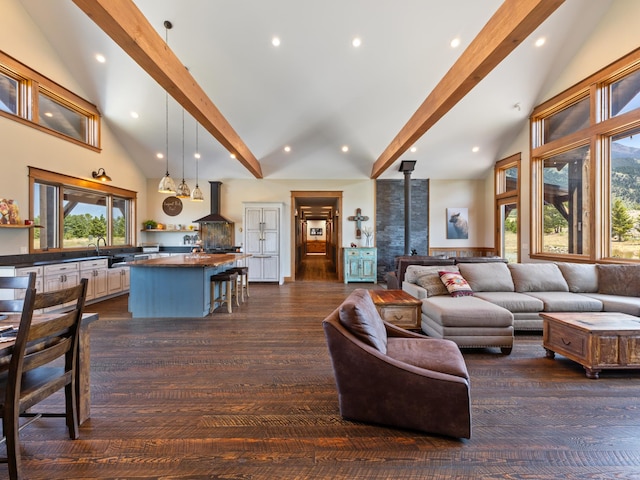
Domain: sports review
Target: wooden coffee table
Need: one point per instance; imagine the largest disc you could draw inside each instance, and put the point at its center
(596, 340)
(398, 307)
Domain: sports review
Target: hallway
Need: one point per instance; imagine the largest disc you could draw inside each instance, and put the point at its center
(316, 268)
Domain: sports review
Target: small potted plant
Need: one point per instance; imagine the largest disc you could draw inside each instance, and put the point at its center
(150, 224)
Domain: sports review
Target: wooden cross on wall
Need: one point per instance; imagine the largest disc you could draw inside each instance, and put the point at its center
(358, 218)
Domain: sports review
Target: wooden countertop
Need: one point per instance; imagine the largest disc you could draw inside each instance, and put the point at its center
(196, 260)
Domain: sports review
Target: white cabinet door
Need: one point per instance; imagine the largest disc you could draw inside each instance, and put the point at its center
(262, 241)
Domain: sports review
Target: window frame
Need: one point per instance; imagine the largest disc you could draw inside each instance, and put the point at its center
(507, 197)
(31, 85)
(602, 126)
(61, 181)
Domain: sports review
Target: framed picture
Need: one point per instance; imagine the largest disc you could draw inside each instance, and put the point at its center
(315, 231)
(457, 223)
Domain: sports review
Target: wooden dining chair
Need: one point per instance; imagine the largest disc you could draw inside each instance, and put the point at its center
(34, 372)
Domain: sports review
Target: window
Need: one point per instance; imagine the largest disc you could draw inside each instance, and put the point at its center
(8, 93)
(565, 215)
(32, 99)
(585, 168)
(55, 115)
(507, 178)
(571, 119)
(76, 212)
(624, 178)
(625, 94)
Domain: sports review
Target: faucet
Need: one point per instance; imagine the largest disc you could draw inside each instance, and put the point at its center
(104, 242)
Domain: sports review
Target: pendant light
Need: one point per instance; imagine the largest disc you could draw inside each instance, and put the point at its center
(196, 193)
(167, 185)
(183, 189)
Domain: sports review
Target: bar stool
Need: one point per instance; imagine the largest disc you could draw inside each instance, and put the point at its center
(225, 282)
(243, 280)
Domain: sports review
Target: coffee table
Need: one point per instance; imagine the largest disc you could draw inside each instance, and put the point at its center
(398, 307)
(596, 340)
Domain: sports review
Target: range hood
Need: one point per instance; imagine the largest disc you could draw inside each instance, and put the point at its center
(214, 216)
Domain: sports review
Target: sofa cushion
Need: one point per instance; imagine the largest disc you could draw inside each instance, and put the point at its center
(618, 303)
(567, 302)
(619, 280)
(434, 354)
(580, 277)
(456, 285)
(537, 277)
(466, 312)
(513, 301)
(428, 277)
(359, 315)
(487, 277)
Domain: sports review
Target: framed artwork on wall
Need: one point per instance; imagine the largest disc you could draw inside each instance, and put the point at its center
(315, 231)
(457, 223)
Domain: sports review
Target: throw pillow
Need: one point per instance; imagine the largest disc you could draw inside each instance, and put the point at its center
(487, 277)
(581, 277)
(537, 277)
(619, 280)
(428, 277)
(456, 284)
(359, 315)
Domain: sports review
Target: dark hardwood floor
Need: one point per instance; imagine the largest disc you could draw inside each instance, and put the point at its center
(251, 395)
(315, 268)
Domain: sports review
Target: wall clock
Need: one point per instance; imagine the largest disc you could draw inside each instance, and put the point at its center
(172, 206)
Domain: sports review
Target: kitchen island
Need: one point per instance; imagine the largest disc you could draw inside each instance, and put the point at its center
(176, 286)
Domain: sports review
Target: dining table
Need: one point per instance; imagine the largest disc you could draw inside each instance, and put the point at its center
(83, 370)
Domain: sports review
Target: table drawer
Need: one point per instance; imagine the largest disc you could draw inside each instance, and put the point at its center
(406, 317)
(567, 340)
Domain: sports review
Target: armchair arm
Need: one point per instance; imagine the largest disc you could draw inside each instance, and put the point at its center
(395, 331)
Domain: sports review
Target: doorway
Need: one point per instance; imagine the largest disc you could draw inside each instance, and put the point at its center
(316, 235)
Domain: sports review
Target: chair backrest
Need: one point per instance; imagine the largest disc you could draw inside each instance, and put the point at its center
(49, 338)
(17, 302)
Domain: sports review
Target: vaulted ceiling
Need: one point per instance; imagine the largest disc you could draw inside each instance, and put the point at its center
(316, 92)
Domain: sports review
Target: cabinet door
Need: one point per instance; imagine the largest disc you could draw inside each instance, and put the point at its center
(100, 282)
(114, 281)
(270, 268)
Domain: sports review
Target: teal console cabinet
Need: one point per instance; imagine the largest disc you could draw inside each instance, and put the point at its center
(361, 265)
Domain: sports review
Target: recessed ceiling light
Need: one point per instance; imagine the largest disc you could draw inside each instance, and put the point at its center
(160, 155)
(540, 42)
(287, 148)
(345, 148)
(48, 114)
(413, 149)
(134, 115)
(356, 42)
(100, 58)
(197, 154)
(233, 155)
(475, 149)
(455, 43)
(275, 41)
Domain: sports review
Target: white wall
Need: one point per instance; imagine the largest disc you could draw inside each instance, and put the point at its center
(470, 194)
(23, 146)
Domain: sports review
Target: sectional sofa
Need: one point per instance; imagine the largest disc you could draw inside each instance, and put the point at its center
(501, 297)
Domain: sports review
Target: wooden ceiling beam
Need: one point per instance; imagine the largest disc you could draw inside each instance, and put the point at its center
(505, 30)
(127, 26)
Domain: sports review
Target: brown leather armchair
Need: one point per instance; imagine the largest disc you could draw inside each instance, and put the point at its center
(390, 376)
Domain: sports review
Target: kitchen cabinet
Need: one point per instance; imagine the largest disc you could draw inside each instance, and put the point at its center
(118, 280)
(360, 265)
(59, 276)
(96, 272)
(262, 237)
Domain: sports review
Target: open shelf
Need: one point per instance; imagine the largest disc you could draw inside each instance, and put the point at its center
(169, 231)
(20, 226)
